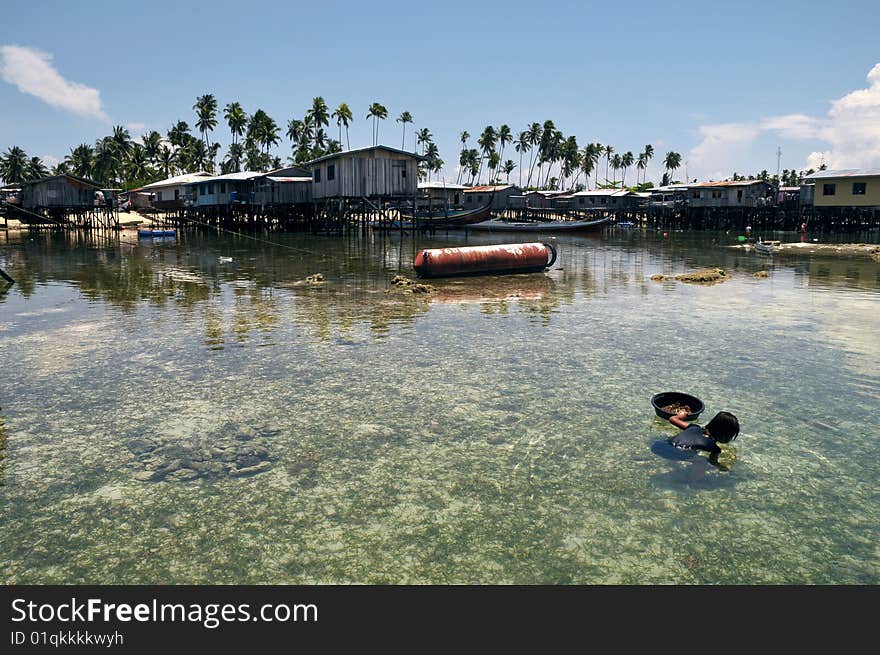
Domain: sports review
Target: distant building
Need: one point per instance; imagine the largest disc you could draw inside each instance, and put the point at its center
(855, 187)
(499, 195)
(229, 189)
(285, 186)
(671, 196)
(374, 172)
(61, 192)
(442, 194)
(738, 193)
(604, 199)
(171, 192)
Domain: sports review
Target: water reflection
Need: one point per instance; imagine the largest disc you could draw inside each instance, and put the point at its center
(195, 411)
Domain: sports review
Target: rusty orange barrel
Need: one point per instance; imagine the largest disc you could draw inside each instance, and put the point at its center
(476, 260)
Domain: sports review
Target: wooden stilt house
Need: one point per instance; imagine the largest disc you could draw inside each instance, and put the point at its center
(374, 172)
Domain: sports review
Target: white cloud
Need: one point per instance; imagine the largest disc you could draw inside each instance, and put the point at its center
(134, 127)
(50, 160)
(851, 128)
(721, 145)
(31, 70)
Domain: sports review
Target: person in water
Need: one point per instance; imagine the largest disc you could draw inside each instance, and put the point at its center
(723, 428)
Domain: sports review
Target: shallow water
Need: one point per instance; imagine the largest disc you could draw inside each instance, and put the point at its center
(169, 417)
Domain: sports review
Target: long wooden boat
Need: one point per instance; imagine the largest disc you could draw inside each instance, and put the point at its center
(445, 218)
(537, 226)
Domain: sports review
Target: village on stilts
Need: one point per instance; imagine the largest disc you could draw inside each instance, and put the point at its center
(172, 181)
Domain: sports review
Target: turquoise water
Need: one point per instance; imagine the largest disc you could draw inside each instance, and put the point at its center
(173, 417)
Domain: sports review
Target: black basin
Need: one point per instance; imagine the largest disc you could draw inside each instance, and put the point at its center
(661, 400)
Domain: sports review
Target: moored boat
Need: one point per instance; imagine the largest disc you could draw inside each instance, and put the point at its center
(444, 218)
(767, 247)
(536, 226)
(156, 233)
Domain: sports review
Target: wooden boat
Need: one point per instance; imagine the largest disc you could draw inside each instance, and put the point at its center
(537, 226)
(444, 218)
(156, 233)
(768, 247)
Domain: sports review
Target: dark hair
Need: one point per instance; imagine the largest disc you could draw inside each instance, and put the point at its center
(723, 427)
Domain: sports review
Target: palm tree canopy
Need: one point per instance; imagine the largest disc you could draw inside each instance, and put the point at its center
(343, 115)
(377, 111)
(405, 117)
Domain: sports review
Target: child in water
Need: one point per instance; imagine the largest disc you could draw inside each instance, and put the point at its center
(723, 428)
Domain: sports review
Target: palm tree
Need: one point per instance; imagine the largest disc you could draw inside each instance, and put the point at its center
(121, 141)
(165, 159)
(344, 117)
(534, 132)
(404, 118)
(432, 159)
(609, 150)
(548, 149)
(671, 162)
(504, 136)
(570, 158)
(474, 162)
(198, 156)
(236, 118)
(616, 165)
(508, 167)
(262, 131)
(464, 136)
(423, 137)
(641, 165)
(36, 169)
(377, 112)
(319, 117)
(206, 112)
(137, 167)
(588, 163)
(107, 161)
(487, 144)
(492, 165)
(625, 162)
(233, 158)
(522, 145)
(649, 154)
(81, 161)
(462, 164)
(178, 134)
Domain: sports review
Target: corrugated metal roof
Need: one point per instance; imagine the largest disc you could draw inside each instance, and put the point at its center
(603, 192)
(275, 178)
(845, 172)
(186, 178)
(441, 185)
(229, 177)
(358, 150)
(81, 180)
(729, 183)
(485, 188)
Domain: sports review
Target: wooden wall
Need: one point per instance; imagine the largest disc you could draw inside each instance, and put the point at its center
(62, 191)
(356, 176)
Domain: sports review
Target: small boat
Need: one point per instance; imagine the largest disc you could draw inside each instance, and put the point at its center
(148, 234)
(538, 226)
(768, 247)
(449, 218)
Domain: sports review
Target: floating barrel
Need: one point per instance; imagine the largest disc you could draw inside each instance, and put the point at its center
(476, 260)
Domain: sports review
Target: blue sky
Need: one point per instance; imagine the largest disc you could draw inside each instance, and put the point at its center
(723, 84)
